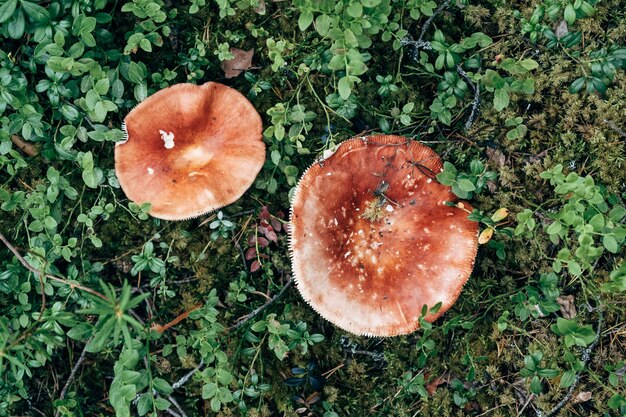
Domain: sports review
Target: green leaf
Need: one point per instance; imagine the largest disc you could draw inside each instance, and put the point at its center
(7, 9)
(446, 178)
(617, 213)
(535, 385)
(574, 268)
(570, 14)
(16, 26)
(322, 24)
(144, 404)
(466, 185)
(102, 86)
(135, 73)
(500, 99)
(35, 12)
(610, 243)
(568, 379)
(161, 404)
(162, 386)
(354, 9)
(344, 88)
(577, 85)
(305, 20)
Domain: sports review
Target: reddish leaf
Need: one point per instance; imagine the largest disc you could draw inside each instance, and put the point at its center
(250, 254)
(264, 214)
(270, 234)
(242, 60)
(276, 224)
(255, 266)
(263, 242)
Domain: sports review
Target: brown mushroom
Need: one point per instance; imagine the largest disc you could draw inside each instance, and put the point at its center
(373, 239)
(190, 150)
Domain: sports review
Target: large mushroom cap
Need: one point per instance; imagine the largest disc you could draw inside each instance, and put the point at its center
(372, 239)
(190, 150)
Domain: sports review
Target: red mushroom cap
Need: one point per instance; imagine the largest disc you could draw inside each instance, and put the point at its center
(373, 240)
(190, 150)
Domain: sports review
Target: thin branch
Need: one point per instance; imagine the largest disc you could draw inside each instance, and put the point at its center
(161, 328)
(429, 21)
(26, 147)
(615, 128)
(585, 357)
(178, 407)
(39, 273)
(475, 102)
(183, 380)
(172, 413)
(242, 320)
(79, 362)
(420, 43)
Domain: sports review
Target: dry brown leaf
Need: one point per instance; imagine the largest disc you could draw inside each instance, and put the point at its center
(496, 156)
(26, 147)
(242, 61)
(432, 386)
(260, 9)
(582, 397)
(568, 308)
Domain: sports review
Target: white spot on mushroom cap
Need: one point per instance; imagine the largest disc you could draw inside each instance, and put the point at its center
(168, 139)
(150, 171)
(389, 208)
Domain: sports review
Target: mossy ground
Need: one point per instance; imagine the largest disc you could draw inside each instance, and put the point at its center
(469, 365)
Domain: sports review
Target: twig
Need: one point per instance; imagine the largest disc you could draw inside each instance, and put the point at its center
(475, 102)
(429, 21)
(24, 146)
(172, 413)
(161, 328)
(585, 357)
(613, 126)
(183, 380)
(420, 43)
(173, 401)
(52, 277)
(244, 319)
(530, 397)
(79, 362)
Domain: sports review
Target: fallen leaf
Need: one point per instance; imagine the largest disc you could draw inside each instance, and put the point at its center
(26, 147)
(432, 386)
(242, 61)
(582, 397)
(260, 9)
(568, 308)
(561, 29)
(496, 156)
(485, 235)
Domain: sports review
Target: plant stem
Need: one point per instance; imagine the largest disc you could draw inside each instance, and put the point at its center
(34, 270)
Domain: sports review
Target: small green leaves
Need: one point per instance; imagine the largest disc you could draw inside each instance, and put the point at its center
(305, 20)
(575, 334)
(465, 185)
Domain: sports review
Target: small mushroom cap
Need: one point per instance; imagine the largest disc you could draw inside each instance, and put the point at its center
(190, 150)
(373, 240)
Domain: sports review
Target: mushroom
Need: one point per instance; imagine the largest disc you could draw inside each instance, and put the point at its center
(190, 150)
(374, 239)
